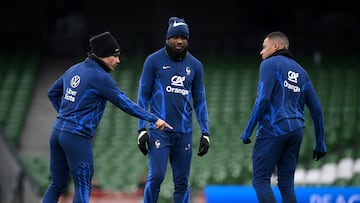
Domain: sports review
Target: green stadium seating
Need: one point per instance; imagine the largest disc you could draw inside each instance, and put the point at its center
(17, 84)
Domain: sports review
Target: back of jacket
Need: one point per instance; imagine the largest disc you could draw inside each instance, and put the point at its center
(76, 95)
(284, 89)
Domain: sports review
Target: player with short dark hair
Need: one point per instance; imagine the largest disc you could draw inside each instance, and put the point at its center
(79, 96)
(172, 84)
(284, 88)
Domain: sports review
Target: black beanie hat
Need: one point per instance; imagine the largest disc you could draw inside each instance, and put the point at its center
(104, 45)
(177, 27)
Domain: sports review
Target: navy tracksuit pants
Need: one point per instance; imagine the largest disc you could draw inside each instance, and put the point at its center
(173, 147)
(282, 153)
(70, 155)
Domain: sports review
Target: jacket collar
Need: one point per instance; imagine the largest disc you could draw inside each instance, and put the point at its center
(283, 52)
(100, 62)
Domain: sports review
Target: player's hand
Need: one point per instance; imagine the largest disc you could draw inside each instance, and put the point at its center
(161, 124)
(247, 141)
(143, 141)
(204, 145)
(318, 155)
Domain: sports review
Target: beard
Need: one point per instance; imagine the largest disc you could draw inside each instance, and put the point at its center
(176, 54)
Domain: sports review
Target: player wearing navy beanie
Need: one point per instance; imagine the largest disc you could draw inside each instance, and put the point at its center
(79, 97)
(171, 86)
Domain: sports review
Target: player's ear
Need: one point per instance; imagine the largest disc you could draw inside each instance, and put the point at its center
(277, 46)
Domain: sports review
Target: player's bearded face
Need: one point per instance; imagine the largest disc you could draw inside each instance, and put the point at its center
(178, 44)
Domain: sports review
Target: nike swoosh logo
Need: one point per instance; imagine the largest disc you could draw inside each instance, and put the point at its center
(175, 24)
(166, 67)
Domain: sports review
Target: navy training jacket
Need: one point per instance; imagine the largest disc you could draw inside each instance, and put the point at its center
(80, 95)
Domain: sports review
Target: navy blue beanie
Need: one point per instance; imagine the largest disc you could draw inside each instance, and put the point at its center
(177, 27)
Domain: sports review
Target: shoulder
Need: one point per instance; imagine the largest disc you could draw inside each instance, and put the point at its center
(157, 54)
(193, 60)
(277, 61)
(273, 60)
(156, 57)
(268, 63)
(90, 70)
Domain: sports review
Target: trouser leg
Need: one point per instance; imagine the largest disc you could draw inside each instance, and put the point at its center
(180, 160)
(158, 158)
(287, 166)
(59, 170)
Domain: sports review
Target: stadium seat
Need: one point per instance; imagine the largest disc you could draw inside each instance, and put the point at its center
(300, 176)
(357, 166)
(345, 168)
(313, 176)
(328, 173)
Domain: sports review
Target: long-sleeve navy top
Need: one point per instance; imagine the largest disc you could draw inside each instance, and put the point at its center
(80, 96)
(284, 88)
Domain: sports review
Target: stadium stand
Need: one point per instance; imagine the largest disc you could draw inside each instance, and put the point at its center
(18, 68)
(16, 87)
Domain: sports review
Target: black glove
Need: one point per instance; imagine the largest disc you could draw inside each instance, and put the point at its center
(247, 141)
(204, 145)
(318, 155)
(143, 141)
